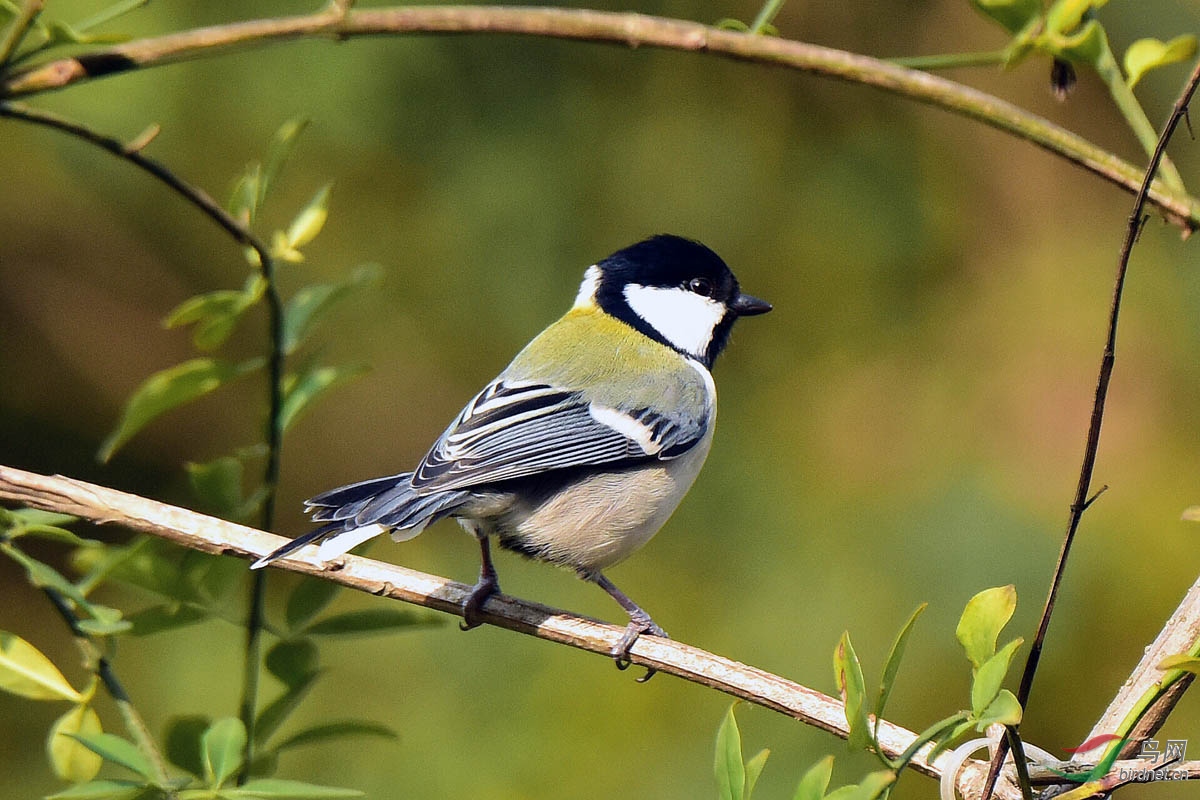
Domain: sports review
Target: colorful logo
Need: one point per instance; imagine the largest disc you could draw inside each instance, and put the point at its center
(1101, 769)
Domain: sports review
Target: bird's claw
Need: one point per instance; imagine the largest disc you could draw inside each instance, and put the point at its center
(480, 593)
(636, 627)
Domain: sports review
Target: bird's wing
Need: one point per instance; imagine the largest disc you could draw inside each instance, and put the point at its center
(514, 429)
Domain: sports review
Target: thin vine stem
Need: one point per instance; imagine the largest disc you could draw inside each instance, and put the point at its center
(337, 22)
(103, 670)
(1083, 488)
(275, 366)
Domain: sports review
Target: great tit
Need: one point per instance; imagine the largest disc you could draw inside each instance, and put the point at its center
(584, 445)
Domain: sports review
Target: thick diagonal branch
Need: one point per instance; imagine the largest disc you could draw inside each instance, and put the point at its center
(208, 534)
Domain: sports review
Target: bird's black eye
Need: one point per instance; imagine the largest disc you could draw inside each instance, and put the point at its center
(701, 286)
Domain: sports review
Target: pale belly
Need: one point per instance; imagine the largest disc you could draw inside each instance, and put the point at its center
(592, 522)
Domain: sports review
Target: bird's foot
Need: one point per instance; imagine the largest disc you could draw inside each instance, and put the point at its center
(638, 625)
(485, 588)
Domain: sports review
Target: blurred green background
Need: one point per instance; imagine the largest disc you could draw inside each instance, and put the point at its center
(906, 426)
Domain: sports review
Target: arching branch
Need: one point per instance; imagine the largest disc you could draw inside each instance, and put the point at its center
(633, 30)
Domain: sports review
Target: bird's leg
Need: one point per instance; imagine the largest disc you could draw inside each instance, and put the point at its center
(639, 622)
(487, 585)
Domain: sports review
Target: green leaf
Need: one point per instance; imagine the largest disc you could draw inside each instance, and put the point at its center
(277, 712)
(370, 620)
(145, 562)
(1089, 45)
(300, 391)
(310, 597)
(1183, 661)
(24, 521)
(874, 785)
(1012, 14)
(60, 33)
(728, 766)
(117, 750)
(815, 781)
(221, 749)
(754, 768)
(216, 314)
(990, 676)
(851, 685)
(1065, 16)
(25, 671)
(892, 666)
(212, 577)
(311, 219)
(105, 622)
(244, 200)
(109, 14)
(944, 741)
(310, 303)
(1004, 710)
(70, 760)
(279, 789)
(335, 730)
(293, 661)
(183, 742)
(982, 620)
(217, 484)
(101, 790)
(280, 149)
(170, 388)
(166, 617)
(1147, 54)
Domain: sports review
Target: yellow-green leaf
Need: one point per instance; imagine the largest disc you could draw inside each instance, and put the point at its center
(990, 676)
(282, 144)
(815, 781)
(728, 766)
(1089, 45)
(102, 790)
(310, 220)
(25, 671)
(301, 390)
(754, 768)
(309, 303)
(221, 748)
(1004, 710)
(279, 789)
(1012, 14)
(1182, 661)
(848, 676)
(71, 760)
(1147, 54)
(982, 620)
(168, 389)
(216, 314)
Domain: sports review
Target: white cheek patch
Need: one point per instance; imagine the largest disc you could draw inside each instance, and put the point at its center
(685, 319)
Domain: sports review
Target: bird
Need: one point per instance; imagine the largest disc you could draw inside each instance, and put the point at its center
(579, 451)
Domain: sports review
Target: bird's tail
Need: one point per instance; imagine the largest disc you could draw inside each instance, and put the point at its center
(355, 513)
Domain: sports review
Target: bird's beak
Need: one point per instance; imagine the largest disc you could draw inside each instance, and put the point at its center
(745, 305)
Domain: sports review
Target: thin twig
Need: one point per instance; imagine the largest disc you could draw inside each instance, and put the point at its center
(102, 667)
(275, 366)
(1082, 489)
(633, 30)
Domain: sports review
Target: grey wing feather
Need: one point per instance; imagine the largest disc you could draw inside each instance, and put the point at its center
(513, 430)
